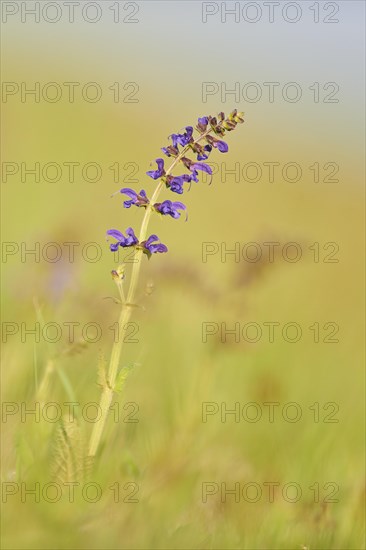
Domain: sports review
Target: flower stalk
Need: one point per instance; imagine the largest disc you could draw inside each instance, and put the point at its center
(206, 125)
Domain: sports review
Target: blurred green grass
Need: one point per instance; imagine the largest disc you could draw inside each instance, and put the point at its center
(169, 453)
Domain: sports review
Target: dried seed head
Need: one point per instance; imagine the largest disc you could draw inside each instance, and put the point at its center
(119, 273)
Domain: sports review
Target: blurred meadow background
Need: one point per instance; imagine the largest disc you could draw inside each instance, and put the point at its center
(170, 453)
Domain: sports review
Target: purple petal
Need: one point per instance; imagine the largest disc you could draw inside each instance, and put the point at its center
(222, 146)
(116, 234)
(160, 163)
(176, 188)
(151, 239)
(189, 131)
(202, 166)
(158, 248)
(129, 192)
(174, 139)
(131, 234)
(155, 174)
(179, 205)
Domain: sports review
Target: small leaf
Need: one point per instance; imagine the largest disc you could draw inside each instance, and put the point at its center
(122, 377)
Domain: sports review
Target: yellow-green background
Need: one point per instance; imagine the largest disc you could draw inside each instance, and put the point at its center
(170, 452)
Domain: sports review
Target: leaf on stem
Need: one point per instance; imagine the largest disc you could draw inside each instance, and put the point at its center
(122, 377)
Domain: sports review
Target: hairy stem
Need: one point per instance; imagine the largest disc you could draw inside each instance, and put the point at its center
(108, 390)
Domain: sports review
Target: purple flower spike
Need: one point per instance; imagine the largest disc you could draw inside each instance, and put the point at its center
(130, 240)
(160, 172)
(192, 154)
(170, 151)
(175, 183)
(150, 247)
(169, 208)
(136, 199)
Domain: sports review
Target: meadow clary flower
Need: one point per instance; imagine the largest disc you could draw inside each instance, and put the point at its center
(155, 174)
(182, 139)
(202, 122)
(194, 166)
(150, 247)
(218, 143)
(138, 199)
(200, 147)
(221, 146)
(129, 240)
(191, 165)
(169, 208)
(170, 151)
(175, 183)
(201, 166)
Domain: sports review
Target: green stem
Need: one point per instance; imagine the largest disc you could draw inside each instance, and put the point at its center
(108, 390)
